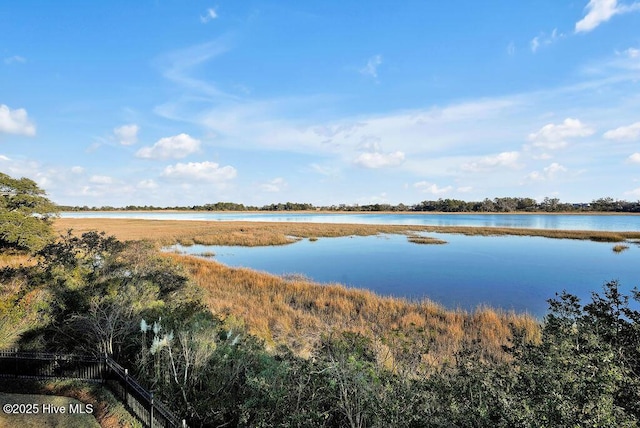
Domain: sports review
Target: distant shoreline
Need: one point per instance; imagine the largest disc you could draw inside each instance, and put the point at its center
(247, 212)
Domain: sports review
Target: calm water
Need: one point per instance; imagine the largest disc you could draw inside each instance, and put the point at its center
(510, 272)
(534, 221)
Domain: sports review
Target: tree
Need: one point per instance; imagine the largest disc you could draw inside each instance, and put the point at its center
(25, 214)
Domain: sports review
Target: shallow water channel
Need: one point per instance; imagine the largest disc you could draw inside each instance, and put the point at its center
(509, 272)
(618, 222)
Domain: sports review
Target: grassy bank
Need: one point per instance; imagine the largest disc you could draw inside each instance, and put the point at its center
(167, 232)
(419, 336)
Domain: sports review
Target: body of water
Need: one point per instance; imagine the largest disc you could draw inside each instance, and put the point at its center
(509, 272)
(626, 222)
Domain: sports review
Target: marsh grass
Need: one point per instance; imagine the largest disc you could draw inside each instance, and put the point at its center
(207, 254)
(428, 240)
(620, 248)
(421, 335)
(168, 232)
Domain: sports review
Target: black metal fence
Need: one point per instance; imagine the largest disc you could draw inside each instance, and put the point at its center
(140, 402)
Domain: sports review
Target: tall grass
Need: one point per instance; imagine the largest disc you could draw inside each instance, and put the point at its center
(167, 232)
(416, 335)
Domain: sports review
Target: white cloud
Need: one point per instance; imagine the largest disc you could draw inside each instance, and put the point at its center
(464, 189)
(629, 133)
(634, 192)
(379, 160)
(554, 136)
(325, 170)
(545, 40)
(127, 134)
(16, 59)
(4, 158)
(548, 172)
(599, 11)
(632, 53)
(211, 14)
(101, 179)
(201, 171)
(535, 44)
(178, 65)
(77, 170)
(275, 185)
(488, 163)
(371, 69)
(176, 147)
(15, 121)
(553, 169)
(635, 158)
(426, 187)
(147, 184)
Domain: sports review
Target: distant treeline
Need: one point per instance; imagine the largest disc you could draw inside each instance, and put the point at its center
(500, 205)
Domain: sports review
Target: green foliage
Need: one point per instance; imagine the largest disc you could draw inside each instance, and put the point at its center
(583, 372)
(25, 214)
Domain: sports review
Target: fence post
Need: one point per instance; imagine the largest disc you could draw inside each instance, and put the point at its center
(126, 387)
(151, 412)
(184, 423)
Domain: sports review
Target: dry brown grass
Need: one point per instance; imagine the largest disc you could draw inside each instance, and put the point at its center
(297, 312)
(14, 259)
(427, 240)
(620, 248)
(167, 232)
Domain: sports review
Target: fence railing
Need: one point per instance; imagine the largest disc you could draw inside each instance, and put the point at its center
(140, 402)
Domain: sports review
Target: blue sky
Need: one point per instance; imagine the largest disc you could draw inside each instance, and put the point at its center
(167, 102)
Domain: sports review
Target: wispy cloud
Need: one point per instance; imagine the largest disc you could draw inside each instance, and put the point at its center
(16, 121)
(490, 163)
(427, 187)
(200, 171)
(147, 184)
(101, 179)
(176, 147)
(634, 158)
(274, 186)
(376, 159)
(548, 172)
(555, 136)
(127, 134)
(600, 11)
(545, 40)
(371, 69)
(626, 133)
(484, 140)
(210, 15)
(15, 59)
(178, 66)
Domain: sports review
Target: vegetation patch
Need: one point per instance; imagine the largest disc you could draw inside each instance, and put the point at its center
(419, 239)
(620, 248)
